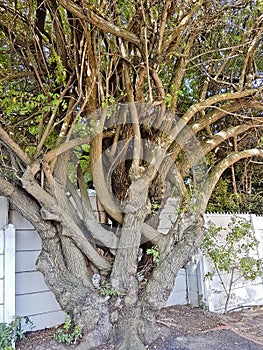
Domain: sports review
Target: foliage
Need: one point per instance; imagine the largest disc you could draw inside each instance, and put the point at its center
(230, 250)
(248, 199)
(154, 251)
(10, 333)
(68, 334)
(108, 291)
(137, 100)
(223, 199)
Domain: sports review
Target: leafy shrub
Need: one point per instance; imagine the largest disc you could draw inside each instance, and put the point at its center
(68, 334)
(13, 331)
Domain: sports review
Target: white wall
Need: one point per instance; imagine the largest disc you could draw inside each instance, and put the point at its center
(192, 287)
(32, 296)
(243, 292)
(3, 222)
(7, 264)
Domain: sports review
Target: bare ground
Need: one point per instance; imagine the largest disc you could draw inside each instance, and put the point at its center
(177, 321)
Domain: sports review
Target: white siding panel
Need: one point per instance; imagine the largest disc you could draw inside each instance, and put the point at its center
(1, 240)
(34, 304)
(3, 212)
(19, 221)
(1, 266)
(193, 292)
(1, 291)
(30, 282)
(27, 240)
(46, 320)
(9, 273)
(26, 260)
(1, 313)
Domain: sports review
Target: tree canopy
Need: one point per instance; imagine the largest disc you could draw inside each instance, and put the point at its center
(141, 101)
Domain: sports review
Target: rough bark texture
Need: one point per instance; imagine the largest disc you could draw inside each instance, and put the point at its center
(131, 99)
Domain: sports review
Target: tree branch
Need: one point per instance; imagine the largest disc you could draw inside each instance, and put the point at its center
(211, 144)
(106, 237)
(71, 228)
(200, 106)
(13, 146)
(218, 170)
(98, 21)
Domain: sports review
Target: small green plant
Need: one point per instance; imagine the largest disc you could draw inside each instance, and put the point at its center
(13, 331)
(202, 302)
(232, 254)
(154, 208)
(108, 291)
(154, 251)
(68, 334)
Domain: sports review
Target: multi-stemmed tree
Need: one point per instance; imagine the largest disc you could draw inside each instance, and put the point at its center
(141, 101)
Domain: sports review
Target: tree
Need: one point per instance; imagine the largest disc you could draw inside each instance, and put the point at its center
(131, 98)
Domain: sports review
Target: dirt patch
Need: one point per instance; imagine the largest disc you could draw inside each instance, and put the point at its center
(33, 339)
(248, 323)
(187, 319)
(178, 321)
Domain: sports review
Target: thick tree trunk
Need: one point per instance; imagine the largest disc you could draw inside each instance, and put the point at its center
(128, 329)
(82, 302)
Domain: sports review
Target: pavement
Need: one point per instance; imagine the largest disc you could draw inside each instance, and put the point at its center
(224, 339)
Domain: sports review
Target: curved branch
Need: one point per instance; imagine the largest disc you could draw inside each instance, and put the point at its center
(98, 21)
(13, 146)
(50, 205)
(107, 238)
(218, 170)
(212, 143)
(171, 43)
(200, 106)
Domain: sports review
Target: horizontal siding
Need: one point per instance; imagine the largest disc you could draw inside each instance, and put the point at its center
(26, 260)
(33, 297)
(1, 240)
(1, 266)
(1, 291)
(30, 282)
(19, 221)
(1, 312)
(36, 303)
(27, 240)
(46, 320)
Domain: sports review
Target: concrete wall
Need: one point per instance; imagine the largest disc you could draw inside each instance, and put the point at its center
(186, 288)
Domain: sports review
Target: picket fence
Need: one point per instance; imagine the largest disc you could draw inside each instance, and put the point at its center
(23, 291)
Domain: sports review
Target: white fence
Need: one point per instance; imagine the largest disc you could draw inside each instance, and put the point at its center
(23, 291)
